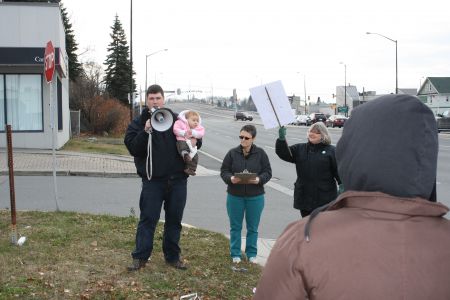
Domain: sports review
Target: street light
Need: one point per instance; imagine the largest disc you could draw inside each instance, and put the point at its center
(304, 88)
(396, 65)
(146, 57)
(345, 87)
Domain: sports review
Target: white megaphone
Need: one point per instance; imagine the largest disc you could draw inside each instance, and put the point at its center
(161, 119)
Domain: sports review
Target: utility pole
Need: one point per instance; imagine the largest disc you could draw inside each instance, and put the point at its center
(131, 61)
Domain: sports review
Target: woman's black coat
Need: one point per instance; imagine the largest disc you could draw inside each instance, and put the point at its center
(256, 161)
(316, 173)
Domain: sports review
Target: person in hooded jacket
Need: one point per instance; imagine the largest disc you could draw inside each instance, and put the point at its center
(164, 182)
(245, 197)
(385, 237)
(316, 168)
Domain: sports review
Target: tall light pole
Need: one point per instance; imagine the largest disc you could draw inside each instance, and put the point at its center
(345, 88)
(396, 63)
(131, 61)
(146, 57)
(304, 89)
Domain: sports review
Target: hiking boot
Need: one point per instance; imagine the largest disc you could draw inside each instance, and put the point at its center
(187, 157)
(189, 172)
(136, 264)
(178, 264)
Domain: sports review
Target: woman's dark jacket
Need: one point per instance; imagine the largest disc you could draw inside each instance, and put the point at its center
(256, 161)
(316, 173)
(166, 162)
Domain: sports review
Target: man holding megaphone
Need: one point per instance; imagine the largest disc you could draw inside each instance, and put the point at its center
(150, 139)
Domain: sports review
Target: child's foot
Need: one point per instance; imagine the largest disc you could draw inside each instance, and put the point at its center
(189, 172)
(187, 157)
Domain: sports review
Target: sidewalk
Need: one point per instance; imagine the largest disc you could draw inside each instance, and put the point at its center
(31, 162)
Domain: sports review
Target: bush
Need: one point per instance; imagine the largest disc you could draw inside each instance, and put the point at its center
(109, 115)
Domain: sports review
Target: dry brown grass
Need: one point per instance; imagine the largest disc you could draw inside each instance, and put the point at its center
(82, 256)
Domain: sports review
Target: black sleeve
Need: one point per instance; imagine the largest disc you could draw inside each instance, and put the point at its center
(266, 169)
(225, 169)
(136, 139)
(334, 168)
(282, 150)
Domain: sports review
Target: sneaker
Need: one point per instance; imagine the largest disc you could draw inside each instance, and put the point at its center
(178, 264)
(253, 260)
(236, 260)
(136, 264)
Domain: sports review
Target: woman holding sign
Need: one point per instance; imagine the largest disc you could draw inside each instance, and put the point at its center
(245, 169)
(316, 168)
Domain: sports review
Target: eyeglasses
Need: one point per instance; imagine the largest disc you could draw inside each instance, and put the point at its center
(244, 137)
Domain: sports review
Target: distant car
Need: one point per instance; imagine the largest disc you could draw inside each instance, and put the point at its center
(443, 121)
(335, 121)
(299, 120)
(302, 120)
(316, 117)
(244, 116)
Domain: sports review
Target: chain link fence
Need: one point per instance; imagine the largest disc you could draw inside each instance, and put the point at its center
(75, 123)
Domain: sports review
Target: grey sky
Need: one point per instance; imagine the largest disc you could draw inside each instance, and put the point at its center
(215, 46)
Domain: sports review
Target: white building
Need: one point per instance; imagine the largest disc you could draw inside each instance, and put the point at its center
(435, 92)
(347, 96)
(24, 93)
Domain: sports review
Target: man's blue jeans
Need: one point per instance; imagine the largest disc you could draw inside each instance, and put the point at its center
(252, 208)
(154, 193)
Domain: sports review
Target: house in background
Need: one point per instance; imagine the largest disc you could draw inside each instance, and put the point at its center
(24, 92)
(435, 92)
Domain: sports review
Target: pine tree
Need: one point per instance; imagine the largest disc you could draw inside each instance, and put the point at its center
(75, 67)
(118, 66)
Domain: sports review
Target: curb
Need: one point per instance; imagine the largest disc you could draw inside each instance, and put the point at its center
(70, 173)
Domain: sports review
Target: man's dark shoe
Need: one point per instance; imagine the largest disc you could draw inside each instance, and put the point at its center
(178, 264)
(136, 265)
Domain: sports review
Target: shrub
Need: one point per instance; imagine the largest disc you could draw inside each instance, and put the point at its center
(109, 115)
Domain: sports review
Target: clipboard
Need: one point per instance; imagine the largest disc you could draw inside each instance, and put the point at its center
(245, 176)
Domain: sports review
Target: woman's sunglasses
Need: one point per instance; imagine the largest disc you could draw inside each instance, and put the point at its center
(244, 137)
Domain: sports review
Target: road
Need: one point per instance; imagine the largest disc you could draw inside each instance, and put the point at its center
(206, 194)
(222, 134)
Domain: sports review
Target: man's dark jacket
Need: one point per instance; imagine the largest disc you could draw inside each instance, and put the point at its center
(316, 173)
(166, 163)
(256, 161)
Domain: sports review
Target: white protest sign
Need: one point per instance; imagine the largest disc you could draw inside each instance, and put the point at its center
(272, 104)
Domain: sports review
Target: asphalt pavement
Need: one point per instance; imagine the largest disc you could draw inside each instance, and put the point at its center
(76, 171)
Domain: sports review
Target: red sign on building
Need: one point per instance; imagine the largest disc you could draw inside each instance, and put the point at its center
(49, 61)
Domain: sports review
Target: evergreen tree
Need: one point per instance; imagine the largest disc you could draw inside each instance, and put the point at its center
(75, 67)
(118, 66)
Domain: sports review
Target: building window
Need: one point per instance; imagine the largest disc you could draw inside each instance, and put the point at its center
(22, 101)
(429, 87)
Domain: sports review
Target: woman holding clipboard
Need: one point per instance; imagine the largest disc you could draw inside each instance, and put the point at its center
(245, 169)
